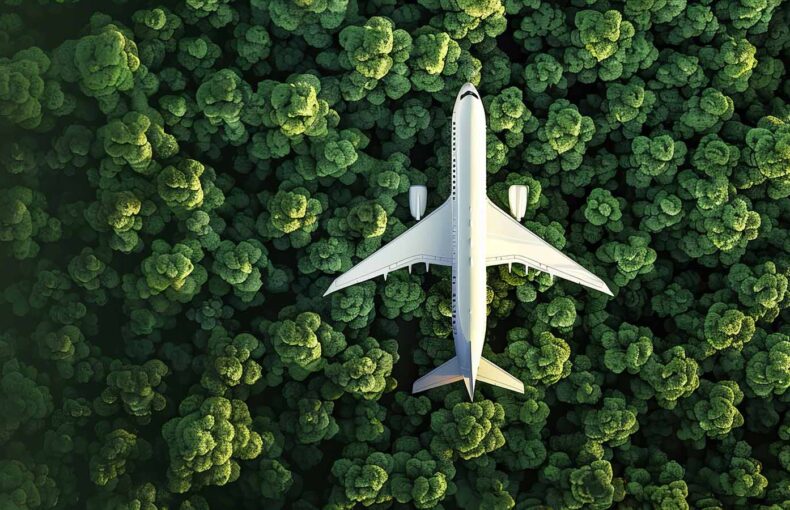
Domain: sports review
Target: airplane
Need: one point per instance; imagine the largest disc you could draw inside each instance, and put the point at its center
(468, 233)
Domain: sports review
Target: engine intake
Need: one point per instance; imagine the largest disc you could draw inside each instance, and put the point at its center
(418, 197)
(517, 200)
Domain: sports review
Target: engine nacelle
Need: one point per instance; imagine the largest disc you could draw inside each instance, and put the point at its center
(418, 197)
(517, 199)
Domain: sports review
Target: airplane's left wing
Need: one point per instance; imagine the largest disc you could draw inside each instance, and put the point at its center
(509, 241)
(429, 242)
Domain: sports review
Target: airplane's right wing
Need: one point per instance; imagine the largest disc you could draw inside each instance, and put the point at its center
(509, 241)
(429, 242)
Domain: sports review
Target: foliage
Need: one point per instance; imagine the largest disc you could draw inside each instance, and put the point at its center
(180, 183)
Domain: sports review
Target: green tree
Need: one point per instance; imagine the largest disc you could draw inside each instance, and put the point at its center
(545, 362)
(27, 97)
(364, 369)
(467, 429)
(671, 375)
(363, 479)
(207, 440)
(134, 388)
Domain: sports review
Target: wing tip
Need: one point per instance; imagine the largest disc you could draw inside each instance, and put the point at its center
(332, 288)
(595, 283)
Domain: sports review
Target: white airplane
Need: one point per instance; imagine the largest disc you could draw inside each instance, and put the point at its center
(468, 233)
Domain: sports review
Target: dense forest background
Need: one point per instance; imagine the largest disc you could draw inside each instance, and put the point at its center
(181, 181)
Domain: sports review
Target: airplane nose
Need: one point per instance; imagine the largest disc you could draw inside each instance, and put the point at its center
(468, 90)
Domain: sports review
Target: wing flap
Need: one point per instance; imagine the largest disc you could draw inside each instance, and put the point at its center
(428, 242)
(509, 241)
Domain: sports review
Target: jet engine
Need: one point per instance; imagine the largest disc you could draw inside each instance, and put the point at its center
(418, 196)
(517, 199)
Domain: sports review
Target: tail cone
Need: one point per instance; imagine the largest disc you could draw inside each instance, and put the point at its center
(470, 388)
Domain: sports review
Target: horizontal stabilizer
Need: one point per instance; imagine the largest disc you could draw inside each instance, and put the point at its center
(492, 374)
(446, 373)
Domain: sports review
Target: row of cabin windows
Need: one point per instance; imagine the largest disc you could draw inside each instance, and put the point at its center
(453, 160)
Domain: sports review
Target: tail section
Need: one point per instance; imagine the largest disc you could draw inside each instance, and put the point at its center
(450, 372)
(446, 373)
(492, 374)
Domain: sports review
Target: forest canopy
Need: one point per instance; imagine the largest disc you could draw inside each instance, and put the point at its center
(180, 183)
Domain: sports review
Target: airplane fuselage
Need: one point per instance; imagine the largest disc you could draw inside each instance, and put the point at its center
(469, 205)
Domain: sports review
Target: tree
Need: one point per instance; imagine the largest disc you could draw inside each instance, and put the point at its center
(671, 375)
(292, 213)
(418, 477)
(603, 209)
(628, 348)
(103, 64)
(364, 369)
(240, 267)
(206, 441)
(296, 108)
(562, 139)
(134, 388)
(306, 341)
(467, 429)
(181, 183)
(364, 479)
(231, 362)
(28, 484)
(27, 97)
